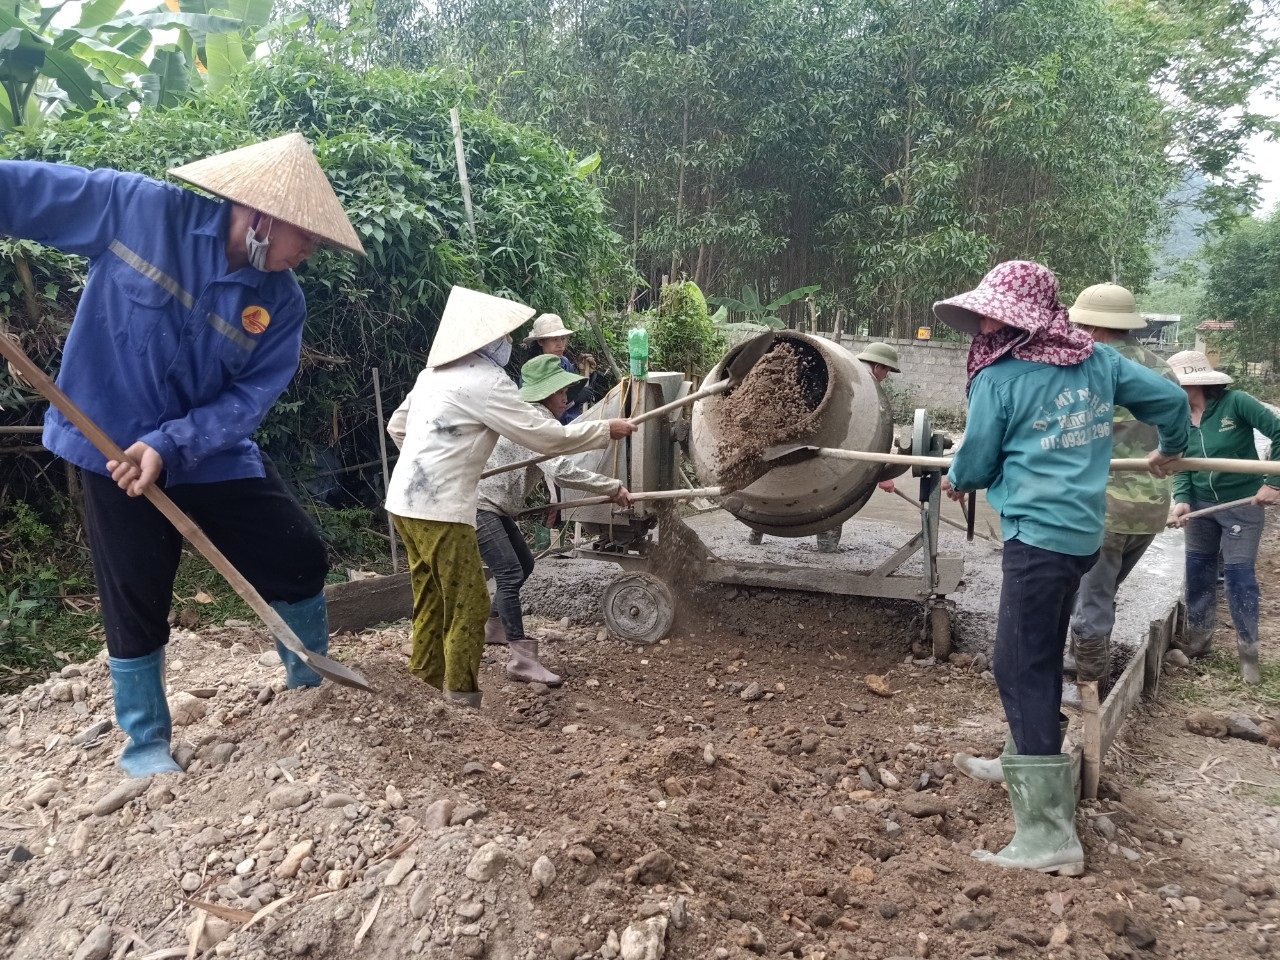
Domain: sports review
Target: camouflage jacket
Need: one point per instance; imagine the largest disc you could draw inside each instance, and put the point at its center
(1137, 503)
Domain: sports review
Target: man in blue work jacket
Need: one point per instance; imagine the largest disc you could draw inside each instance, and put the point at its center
(188, 330)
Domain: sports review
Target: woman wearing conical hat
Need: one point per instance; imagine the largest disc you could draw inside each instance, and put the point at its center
(188, 330)
(446, 429)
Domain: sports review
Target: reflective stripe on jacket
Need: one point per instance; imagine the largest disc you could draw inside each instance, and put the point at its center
(168, 346)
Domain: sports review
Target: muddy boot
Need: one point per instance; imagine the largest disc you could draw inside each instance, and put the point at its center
(979, 768)
(1202, 605)
(1042, 792)
(755, 538)
(1069, 658)
(459, 698)
(991, 770)
(1250, 669)
(494, 631)
(1242, 599)
(828, 541)
(524, 666)
(1093, 660)
(309, 621)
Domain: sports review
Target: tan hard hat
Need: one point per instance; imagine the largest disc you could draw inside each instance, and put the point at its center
(282, 179)
(1107, 305)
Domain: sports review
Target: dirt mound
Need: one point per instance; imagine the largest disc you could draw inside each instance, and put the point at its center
(733, 791)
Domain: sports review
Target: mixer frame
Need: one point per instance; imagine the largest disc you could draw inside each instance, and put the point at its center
(640, 606)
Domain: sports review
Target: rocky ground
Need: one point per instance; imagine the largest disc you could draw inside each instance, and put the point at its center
(771, 780)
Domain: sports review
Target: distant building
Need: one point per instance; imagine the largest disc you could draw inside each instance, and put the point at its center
(1161, 331)
(1208, 338)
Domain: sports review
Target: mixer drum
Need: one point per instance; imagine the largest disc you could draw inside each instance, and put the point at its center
(795, 501)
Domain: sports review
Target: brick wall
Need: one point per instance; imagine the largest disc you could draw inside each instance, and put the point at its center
(933, 372)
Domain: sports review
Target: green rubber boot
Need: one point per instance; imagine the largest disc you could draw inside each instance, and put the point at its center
(979, 768)
(1042, 792)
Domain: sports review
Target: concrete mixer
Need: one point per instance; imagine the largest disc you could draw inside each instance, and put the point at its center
(819, 396)
(848, 410)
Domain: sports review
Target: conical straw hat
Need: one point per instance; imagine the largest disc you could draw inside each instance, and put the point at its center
(472, 319)
(282, 179)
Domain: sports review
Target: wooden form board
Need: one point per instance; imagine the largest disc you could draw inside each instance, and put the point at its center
(362, 603)
(1141, 678)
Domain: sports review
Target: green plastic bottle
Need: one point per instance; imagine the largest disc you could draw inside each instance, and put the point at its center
(638, 350)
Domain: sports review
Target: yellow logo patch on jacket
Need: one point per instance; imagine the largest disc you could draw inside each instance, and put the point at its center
(255, 319)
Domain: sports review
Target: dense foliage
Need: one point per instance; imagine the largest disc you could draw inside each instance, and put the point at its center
(886, 150)
(386, 141)
(1243, 285)
(681, 335)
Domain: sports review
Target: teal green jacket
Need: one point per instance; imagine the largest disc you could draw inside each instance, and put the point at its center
(1038, 440)
(1226, 430)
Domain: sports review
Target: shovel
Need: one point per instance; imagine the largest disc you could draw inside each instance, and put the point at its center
(966, 527)
(1208, 510)
(751, 353)
(790, 454)
(330, 669)
(747, 357)
(566, 505)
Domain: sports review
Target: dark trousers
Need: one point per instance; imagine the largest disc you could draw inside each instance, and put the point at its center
(256, 523)
(1036, 598)
(507, 556)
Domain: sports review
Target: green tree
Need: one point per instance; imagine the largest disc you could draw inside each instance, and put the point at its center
(1243, 285)
(97, 59)
(682, 336)
(385, 139)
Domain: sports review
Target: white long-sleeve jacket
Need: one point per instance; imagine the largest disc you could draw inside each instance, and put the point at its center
(447, 427)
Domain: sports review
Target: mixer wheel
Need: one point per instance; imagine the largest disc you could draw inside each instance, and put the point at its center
(639, 608)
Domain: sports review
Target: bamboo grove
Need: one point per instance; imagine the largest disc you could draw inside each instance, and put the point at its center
(886, 150)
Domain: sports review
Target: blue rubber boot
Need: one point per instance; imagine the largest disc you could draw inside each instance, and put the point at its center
(1202, 604)
(143, 713)
(1242, 599)
(309, 619)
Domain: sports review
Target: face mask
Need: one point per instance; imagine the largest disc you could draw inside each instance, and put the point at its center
(499, 351)
(257, 249)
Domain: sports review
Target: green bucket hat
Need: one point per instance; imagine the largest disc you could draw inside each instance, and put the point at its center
(880, 353)
(542, 376)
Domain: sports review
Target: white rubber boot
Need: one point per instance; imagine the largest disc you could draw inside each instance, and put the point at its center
(495, 633)
(523, 664)
(460, 698)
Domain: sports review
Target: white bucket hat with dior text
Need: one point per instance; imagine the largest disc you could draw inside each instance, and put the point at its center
(471, 320)
(282, 179)
(1192, 368)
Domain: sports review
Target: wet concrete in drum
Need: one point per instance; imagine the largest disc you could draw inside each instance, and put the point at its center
(769, 407)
